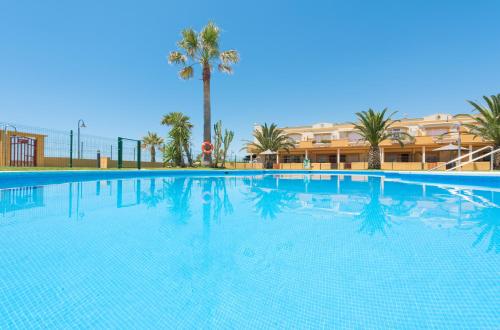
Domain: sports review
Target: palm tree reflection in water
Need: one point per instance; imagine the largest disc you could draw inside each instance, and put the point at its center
(177, 191)
(374, 216)
(490, 227)
(153, 197)
(268, 199)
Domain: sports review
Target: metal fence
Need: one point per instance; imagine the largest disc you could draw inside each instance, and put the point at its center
(22, 145)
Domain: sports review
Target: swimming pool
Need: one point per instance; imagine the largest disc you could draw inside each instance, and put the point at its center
(210, 249)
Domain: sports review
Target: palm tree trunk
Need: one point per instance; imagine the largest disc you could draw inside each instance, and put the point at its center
(188, 154)
(374, 158)
(153, 154)
(496, 158)
(207, 159)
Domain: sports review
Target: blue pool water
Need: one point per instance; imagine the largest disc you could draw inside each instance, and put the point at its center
(249, 250)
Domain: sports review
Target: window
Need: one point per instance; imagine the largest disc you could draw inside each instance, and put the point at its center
(322, 138)
(295, 137)
(396, 133)
(354, 137)
(322, 158)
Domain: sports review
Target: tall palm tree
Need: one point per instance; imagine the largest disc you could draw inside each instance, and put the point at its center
(269, 137)
(180, 132)
(152, 141)
(487, 124)
(373, 126)
(203, 48)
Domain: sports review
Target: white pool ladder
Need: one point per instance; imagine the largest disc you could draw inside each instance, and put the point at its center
(491, 154)
(471, 159)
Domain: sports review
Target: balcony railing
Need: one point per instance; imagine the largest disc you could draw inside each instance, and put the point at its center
(418, 140)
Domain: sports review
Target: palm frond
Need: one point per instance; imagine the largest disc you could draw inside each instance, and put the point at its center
(229, 56)
(189, 42)
(176, 58)
(225, 68)
(186, 72)
(270, 137)
(209, 37)
(487, 123)
(374, 126)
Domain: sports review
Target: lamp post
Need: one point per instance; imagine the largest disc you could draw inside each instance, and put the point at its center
(81, 124)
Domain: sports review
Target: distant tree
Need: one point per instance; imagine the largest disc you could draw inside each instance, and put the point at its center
(203, 48)
(152, 141)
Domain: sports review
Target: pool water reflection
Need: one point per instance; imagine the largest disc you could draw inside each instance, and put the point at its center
(250, 252)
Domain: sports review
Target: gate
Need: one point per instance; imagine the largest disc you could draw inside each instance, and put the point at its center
(22, 151)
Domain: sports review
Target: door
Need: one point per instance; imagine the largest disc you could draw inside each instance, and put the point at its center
(22, 151)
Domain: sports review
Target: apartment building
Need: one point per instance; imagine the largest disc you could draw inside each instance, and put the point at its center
(339, 146)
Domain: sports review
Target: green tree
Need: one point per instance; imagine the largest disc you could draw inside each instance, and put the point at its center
(203, 48)
(152, 141)
(172, 155)
(180, 134)
(269, 137)
(487, 124)
(373, 126)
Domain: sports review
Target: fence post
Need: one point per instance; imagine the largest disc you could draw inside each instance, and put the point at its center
(120, 151)
(98, 159)
(71, 148)
(139, 154)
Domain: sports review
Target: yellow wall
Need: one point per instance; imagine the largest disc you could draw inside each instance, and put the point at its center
(105, 163)
(64, 162)
(244, 166)
(5, 154)
(359, 166)
(477, 166)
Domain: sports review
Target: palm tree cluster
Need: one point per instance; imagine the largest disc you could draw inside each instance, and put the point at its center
(203, 49)
(487, 124)
(179, 135)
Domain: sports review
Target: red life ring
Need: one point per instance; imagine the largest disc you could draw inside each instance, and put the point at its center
(207, 148)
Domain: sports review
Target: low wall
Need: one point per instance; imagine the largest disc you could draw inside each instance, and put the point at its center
(359, 166)
(400, 166)
(477, 166)
(105, 163)
(387, 166)
(244, 166)
(64, 162)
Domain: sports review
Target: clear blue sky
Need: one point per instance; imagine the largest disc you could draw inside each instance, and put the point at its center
(301, 61)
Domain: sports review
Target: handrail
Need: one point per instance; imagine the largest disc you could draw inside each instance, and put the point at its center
(458, 158)
(491, 153)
